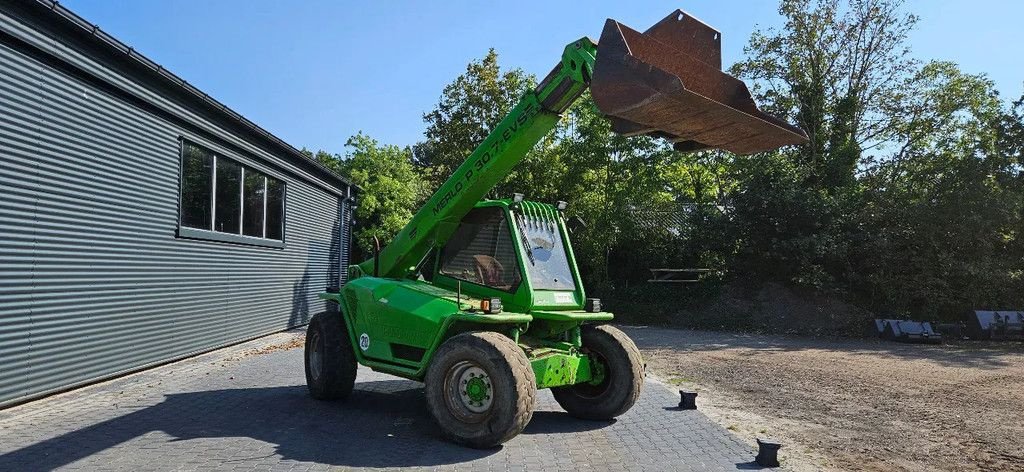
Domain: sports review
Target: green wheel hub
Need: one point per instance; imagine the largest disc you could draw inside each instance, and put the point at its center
(470, 388)
(477, 389)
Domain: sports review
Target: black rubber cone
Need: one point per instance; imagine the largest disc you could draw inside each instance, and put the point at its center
(667, 82)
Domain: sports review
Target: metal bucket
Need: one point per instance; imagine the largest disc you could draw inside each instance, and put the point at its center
(668, 82)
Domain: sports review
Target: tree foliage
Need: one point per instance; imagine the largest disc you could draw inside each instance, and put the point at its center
(903, 199)
(468, 108)
(390, 188)
(945, 209)
(833, 69)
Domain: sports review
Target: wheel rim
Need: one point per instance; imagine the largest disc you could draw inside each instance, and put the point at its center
(470, 392)
(315, 355)
(595, 390)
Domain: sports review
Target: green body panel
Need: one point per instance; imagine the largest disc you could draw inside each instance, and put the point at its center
(408, 314)
(575, 315)
(558, 369)
(397, 320)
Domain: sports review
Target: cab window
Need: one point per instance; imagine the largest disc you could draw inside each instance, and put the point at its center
(482, 251)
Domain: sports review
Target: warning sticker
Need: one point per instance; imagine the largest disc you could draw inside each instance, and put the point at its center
(563, 297)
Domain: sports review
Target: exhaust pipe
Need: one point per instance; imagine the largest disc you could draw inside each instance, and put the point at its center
(667, 82)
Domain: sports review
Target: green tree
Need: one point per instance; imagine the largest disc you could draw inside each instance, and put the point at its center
(945, 209)
(469, 107)
(834, 68)
(907, 196)
(333, 162)
(390, 188)
(1011, 136)
(606, 178)
(1010, 145)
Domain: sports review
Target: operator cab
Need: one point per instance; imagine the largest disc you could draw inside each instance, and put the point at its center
(515, 250)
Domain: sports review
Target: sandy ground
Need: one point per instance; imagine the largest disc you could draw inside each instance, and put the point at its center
(842, 404)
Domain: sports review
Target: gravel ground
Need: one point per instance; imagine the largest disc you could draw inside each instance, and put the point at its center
(844, 404)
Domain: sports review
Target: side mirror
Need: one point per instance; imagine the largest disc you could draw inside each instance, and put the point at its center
(575, 223)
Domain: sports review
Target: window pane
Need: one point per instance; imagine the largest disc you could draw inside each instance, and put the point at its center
(548, 263)
(481, 251)
(275, 209)
(252, 212)
(229, 196)
(196, 187)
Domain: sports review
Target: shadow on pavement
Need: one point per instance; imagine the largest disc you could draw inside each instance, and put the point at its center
(554, 422)
(383, 424)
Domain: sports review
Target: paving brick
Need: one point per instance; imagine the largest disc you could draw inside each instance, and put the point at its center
(235, 409)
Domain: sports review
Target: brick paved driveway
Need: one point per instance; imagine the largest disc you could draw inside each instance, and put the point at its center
(246, 408)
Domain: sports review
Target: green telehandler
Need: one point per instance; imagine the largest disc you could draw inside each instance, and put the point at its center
(481, 299)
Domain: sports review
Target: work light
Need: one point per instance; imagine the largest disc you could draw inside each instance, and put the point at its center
(490, 306)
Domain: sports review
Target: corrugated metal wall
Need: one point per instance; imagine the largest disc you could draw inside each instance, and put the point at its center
(93, 280)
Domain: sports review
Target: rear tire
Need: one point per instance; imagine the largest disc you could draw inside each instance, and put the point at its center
(623, 376)
(480, 389)
(330, 362)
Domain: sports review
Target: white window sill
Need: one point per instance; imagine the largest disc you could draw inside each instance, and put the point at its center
(194, 233)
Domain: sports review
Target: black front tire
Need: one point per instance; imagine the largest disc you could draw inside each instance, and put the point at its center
(509, 384)
(623, 376)
(330, 362)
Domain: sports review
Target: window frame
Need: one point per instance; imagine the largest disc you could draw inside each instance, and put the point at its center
(188, 232)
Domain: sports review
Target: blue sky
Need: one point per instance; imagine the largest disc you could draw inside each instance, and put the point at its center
(316, 72)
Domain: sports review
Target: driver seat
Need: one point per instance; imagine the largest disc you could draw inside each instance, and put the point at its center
(488, 270)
